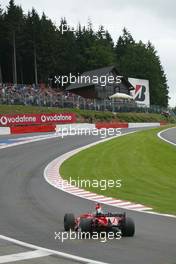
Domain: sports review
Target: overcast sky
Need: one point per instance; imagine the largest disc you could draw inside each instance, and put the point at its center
(153, 20)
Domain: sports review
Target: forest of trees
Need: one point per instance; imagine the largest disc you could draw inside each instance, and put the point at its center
(33, 49)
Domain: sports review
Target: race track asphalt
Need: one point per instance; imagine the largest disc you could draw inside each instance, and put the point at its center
(170, 135)
(31, 210)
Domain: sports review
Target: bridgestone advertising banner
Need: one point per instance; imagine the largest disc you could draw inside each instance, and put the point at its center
(141, 94)
(33, 119)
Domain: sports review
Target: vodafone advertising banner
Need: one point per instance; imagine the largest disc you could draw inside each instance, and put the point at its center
(33, 119)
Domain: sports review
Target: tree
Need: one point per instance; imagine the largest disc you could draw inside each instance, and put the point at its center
(13, 19)
(95, 48)
(37, 50)
(139, 60)
(1, 42)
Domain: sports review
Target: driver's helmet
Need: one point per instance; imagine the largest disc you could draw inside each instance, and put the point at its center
(98, 209)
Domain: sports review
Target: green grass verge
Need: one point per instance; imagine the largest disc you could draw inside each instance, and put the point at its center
(145, 164)
(86, 115)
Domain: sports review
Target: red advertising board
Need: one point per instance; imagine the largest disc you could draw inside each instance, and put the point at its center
(32, 119)
(111, 125)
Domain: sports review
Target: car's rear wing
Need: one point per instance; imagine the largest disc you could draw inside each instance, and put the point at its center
(112, 215)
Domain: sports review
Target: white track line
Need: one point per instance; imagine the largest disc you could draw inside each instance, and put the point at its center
(28, 141)
(24, 256)
(166, 140)
(52, 252)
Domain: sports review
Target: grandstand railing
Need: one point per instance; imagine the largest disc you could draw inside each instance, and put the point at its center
(42, 96)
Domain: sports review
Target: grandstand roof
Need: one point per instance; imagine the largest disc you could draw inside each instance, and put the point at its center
(97, 72)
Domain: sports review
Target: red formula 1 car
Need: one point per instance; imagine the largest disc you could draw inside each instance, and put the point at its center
(100, 222)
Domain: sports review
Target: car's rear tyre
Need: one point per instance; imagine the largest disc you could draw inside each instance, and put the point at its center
(69, 222)
(117, 232)
(128, 227)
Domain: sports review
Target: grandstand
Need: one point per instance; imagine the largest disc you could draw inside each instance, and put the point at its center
(43, 95)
